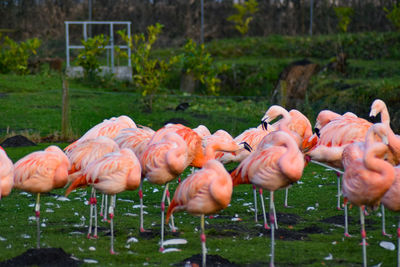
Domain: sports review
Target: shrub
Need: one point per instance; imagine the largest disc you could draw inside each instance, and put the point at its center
(147, 73)
(394, 15)
(198, 62)
(88, 58)
(14, 56)
(243, 16)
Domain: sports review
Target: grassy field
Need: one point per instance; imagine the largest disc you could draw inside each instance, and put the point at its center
(310, 230)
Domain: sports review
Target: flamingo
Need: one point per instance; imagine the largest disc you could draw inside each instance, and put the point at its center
(366, 179)
(41, 172)
(136, 139)
(109, 128)
(335, 135)
(393, 156)
(206, 191)
(81, 156)
(111, 174)
(162, 162)
(6, 174)
(202, 130)
(296, 125)
(274, 165)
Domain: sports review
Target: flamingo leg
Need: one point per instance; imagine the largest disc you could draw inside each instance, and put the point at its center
(286, 197)
(111, 213)
(90, 214)
(363, 235)
(95, 212)
(105, 207)
(141, 205)
(346, 219)
(338, 175)
(37, 214)
(383, 222)
(272, 221)
(203, 241)
(255, 203)
(263, 208)
(172, 216)
(102, 206)
(162, 217)
(398, 243)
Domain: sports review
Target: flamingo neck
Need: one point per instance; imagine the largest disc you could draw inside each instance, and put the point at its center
(385, 117)
(375, 163)
(290, 163)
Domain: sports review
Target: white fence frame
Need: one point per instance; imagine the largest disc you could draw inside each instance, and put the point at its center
(109, 47)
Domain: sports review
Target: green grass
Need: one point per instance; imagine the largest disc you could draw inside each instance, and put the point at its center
(246, 244)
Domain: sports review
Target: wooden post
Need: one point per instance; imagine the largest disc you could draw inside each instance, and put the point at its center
(65, 131)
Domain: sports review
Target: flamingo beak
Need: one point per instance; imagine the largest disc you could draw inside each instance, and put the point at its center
(373, 113)
(264, 124)
(317, 132)
(246, 146)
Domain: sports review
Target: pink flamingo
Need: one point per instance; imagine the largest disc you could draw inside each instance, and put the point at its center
(393, 156)
(6, 174)
(206, 191)
(84, 153)
(41, 172)
(275, 165)
(111, 174)
(137, 140)
(162, 162)
(366, 179)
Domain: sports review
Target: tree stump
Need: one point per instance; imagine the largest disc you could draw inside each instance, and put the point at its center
(291, 88)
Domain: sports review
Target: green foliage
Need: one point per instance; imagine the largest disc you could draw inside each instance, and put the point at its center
(147, 72)
(243, 17)
(14, 56)
(344, 15)
(198, 62)
(88, 58)
(394, 15)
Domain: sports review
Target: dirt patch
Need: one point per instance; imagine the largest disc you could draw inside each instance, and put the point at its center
(42, 257)
(17, 141)
(339, 220)
(211, 260)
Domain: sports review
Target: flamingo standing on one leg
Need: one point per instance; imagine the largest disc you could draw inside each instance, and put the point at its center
(393, 156)
(84, 153)
(206, 191)
(41, 172)
(111, 174)
(136, 139)
(274, 165)
(366, 179)
(6, 174)
(162, 162)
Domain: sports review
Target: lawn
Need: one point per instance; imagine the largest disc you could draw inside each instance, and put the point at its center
(310, 231)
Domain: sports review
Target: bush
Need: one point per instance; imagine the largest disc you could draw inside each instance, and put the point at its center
(88, 58)
(14, 56)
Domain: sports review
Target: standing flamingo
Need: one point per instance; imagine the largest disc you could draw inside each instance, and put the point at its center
(393, 156)
(274, 165)
(206, 191)
(84, 153)
(41, 172)
(137, 140)
(335, 135)
(111, 174)
(366, 179)
(6, 174)
(162, 162)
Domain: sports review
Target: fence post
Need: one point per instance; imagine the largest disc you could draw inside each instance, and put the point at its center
(65, 131)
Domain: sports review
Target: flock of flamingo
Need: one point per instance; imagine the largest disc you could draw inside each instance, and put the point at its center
(117, 155)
